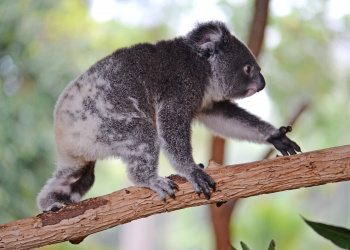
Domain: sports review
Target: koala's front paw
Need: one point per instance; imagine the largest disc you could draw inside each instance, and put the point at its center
(282, 143)
(160, 184)
(201, 180)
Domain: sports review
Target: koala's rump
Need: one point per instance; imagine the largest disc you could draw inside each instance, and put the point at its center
(93, 120)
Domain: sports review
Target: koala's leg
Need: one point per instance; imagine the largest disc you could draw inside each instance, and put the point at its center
(175, 134)
(68, 185)
(141, 153)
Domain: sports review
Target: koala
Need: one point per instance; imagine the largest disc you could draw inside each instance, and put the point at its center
(144, 98)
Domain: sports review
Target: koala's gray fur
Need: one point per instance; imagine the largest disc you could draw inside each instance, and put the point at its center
(143, 98)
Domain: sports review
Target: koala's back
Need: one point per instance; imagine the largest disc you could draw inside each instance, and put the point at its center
(106, 102)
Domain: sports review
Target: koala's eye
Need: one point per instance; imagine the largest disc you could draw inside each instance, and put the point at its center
(248, 70)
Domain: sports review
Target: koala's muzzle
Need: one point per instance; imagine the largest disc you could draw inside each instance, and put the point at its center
(261, 84)
(256, 86)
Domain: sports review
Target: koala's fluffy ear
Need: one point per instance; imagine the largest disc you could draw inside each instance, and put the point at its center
(207, 37)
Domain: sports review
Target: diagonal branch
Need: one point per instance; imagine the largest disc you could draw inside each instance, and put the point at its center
(78, 220)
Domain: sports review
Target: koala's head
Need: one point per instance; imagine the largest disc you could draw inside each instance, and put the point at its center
(235, 72)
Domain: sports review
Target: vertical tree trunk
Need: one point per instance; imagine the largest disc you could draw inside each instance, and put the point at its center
(220, 216)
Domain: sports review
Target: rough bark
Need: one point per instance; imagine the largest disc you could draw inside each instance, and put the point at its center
(78, 220)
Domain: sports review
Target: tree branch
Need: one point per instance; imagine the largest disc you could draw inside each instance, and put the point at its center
(257, 31)
(78, 220)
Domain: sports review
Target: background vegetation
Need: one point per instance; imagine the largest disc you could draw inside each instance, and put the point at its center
(306, 58)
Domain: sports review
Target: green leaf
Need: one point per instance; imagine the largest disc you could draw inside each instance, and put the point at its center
(272, 245)
(232, 247)
(338, 235)
(244, 246)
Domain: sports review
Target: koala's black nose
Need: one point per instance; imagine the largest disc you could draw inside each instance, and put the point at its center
(261, 84)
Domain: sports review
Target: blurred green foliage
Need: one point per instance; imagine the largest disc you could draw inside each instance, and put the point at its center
(304, 68)
(46, 44)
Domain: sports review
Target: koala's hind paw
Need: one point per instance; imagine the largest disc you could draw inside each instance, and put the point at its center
(54, 201)
(282, 143)
(160, 184)
(201, 181)
(53, 196)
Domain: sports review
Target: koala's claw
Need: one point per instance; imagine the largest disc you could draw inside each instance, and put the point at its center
(282, 143)
(57, 207)
(173, 185)
(201, 181)
(201, 165)
(160, 184)
(53, 209)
